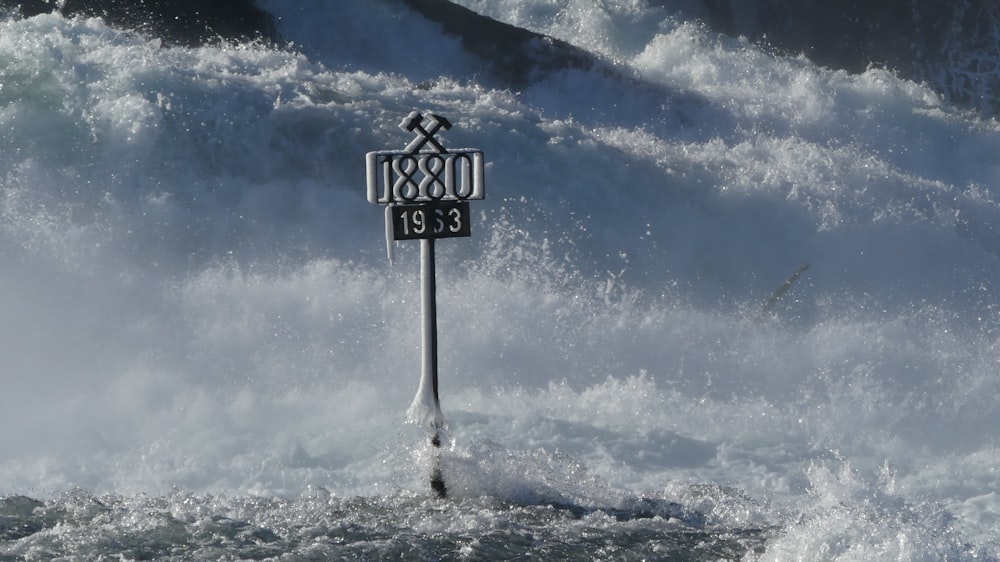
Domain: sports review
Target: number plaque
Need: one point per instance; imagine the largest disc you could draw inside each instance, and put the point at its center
(431, 220)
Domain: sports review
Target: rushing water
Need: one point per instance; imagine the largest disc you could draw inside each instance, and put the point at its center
(207, 355)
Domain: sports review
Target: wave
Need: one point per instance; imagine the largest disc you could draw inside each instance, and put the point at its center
(950, 44)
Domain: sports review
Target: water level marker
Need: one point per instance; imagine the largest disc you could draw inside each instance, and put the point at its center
(426, 189)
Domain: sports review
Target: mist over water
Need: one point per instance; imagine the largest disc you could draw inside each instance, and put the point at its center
(197, 303)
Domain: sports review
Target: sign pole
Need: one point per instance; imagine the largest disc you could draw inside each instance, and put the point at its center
(428, 312)
(426, 189)
(429, 367)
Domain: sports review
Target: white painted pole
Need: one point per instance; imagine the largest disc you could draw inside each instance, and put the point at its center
(429, 366)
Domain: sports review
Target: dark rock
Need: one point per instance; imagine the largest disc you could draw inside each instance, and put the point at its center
(176, 22)
(952, 45)
(844, 34)
(514, 55)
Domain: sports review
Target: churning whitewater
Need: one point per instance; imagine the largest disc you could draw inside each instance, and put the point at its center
(207, 355)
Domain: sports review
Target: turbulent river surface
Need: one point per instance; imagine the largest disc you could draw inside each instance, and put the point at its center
(720, 302)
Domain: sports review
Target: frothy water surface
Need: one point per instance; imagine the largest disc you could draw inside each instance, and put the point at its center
(206, 352)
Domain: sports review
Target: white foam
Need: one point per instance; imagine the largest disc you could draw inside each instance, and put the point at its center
(196, 294)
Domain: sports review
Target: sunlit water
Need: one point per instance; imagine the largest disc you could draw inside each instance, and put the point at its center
(206, 353)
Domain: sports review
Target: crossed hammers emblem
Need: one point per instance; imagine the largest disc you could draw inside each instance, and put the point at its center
(413, 123)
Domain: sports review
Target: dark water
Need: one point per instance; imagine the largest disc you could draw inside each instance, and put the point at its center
(320, 527)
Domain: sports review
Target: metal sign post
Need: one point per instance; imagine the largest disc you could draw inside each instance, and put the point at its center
(426, 189)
